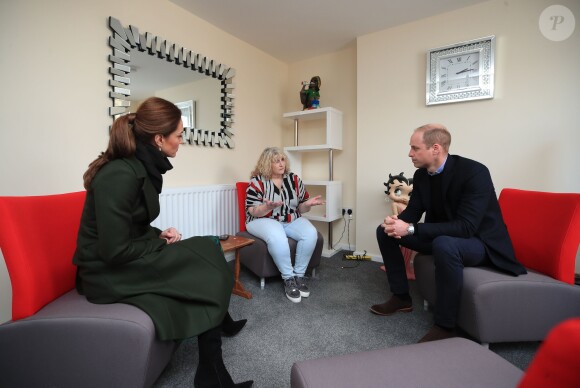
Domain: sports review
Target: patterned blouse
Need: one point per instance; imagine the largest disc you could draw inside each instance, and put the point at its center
(292, 193)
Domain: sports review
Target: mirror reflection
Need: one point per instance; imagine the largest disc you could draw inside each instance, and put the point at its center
(144, 65)
(151, 76)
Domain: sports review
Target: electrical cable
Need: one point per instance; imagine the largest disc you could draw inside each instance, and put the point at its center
(343, 230)
(348, 233)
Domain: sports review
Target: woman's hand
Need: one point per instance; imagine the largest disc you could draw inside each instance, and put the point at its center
(271, 205)
(305, 207)
(170, 235)
(264, 208)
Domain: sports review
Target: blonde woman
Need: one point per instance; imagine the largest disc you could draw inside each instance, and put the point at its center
(275, 201)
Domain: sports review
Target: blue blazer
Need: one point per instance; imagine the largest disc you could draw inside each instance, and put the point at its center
(471, 208)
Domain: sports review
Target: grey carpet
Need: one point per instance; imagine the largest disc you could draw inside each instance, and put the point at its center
(334, 320)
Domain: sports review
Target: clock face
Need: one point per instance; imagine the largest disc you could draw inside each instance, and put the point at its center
(459, 72)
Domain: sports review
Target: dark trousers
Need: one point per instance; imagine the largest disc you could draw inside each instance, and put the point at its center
(450, 254)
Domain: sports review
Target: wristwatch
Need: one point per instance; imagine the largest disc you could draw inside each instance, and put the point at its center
(410, 229)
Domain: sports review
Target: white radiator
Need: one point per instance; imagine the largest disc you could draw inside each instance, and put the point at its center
(199, 210)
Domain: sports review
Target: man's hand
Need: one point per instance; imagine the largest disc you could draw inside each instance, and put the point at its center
(394, 227)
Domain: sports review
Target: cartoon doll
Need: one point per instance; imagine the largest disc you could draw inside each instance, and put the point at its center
(399, 190)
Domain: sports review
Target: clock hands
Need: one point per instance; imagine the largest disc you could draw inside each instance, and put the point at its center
(465, 70)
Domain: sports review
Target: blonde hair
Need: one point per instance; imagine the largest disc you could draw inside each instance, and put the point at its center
(269, 156)
(435, 133)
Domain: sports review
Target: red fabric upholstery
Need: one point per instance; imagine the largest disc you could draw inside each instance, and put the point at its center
(241, 188)
(38, 238)
(544, 229)
(556, 363)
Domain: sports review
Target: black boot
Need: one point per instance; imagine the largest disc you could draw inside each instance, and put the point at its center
(231, 327)
(211, 371)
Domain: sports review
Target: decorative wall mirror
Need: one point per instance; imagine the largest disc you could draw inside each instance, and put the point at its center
(144, 65)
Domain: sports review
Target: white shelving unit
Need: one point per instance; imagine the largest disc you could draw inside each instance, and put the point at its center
(332, 190)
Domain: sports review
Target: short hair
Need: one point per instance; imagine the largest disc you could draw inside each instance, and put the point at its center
(435, 134)
(268, 156)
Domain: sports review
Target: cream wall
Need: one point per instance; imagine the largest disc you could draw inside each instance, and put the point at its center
(54, 73)
(528, 135)
(54, 104)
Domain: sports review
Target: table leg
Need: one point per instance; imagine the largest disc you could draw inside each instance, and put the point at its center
(238, 286)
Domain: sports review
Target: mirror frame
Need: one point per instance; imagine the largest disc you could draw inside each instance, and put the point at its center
(123, 40)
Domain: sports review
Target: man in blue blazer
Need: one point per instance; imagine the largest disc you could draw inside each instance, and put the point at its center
(463, 228)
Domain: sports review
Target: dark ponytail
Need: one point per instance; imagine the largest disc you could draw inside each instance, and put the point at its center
(155, 116)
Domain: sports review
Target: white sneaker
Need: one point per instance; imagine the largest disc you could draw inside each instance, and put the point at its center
(291, 290)
(302, 286)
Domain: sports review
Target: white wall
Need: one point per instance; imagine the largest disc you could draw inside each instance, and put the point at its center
(528, 135)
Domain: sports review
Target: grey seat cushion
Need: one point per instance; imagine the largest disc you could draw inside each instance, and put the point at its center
(497, 307)
(450, 363)
(74, 343)
(257, 259)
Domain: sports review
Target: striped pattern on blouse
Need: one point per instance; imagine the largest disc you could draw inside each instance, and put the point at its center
(292, 193)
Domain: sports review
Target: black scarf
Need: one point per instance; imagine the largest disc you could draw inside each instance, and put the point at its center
(155, 162)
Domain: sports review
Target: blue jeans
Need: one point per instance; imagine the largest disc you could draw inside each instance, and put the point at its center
(276, 234)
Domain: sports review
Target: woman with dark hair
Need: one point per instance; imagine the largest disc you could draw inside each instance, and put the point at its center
(183, 285)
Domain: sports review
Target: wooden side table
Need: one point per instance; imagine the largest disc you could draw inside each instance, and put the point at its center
(235, 243)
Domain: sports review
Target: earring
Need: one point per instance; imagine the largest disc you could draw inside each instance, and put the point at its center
(159, 148)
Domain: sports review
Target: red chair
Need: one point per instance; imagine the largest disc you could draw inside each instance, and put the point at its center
(56, 337)
(496, 307)
(256, 257)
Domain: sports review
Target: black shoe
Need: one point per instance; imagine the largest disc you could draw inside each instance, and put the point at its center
(245, 384)
(438, 333)
(393, 305)
(216, 376)
(211, 371)
(231, 327)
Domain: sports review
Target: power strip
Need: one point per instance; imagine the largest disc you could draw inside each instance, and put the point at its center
(358, 257)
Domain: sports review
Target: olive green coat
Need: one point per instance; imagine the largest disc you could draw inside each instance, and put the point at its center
(185, 287)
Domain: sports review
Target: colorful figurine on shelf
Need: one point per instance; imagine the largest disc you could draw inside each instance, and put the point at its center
(310, 97)
(399, 190)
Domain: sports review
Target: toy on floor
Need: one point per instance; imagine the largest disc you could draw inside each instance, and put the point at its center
(310, 97)
(399, 190)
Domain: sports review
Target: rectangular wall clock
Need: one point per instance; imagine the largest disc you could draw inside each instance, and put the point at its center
(461, 72)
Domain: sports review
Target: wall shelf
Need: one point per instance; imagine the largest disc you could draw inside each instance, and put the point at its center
(330, 189)
(333, 118)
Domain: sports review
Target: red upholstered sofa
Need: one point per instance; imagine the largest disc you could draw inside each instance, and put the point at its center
(496, 307)
(56, 338)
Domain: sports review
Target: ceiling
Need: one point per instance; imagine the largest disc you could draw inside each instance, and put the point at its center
(298, 29)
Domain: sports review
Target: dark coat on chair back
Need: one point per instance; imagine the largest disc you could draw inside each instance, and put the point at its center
(471, 208)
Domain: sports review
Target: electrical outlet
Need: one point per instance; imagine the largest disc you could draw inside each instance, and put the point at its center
(348, 212)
